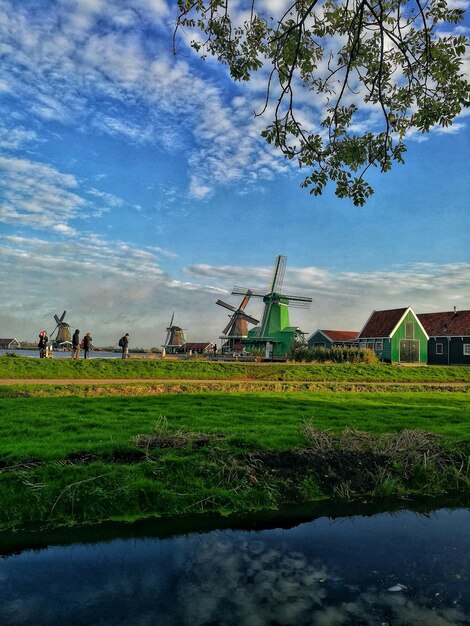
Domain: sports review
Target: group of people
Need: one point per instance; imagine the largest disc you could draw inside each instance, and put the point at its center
(85, 344)
(77, 345)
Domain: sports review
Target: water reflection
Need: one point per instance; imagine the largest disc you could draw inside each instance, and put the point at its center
(323, 572)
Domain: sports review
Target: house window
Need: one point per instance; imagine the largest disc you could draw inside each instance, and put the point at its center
(439, 348)
(363, 344)
(409, 330)
(318, 345)
(466, 349)
(379, 345)
(370, 345)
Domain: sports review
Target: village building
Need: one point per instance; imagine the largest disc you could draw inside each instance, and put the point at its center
(396, 336)
(197, 348)
(449, 337)
(9, 344)
(329, 338)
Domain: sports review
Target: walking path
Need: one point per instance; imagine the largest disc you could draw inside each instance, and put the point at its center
(154, 381)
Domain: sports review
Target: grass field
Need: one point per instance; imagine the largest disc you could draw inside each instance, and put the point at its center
(52, 428)
(66, 459)
(24, 368)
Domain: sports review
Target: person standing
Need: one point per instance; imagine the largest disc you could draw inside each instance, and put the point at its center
(76, 344)
(87, 339)
(42, 345)
(124, 343)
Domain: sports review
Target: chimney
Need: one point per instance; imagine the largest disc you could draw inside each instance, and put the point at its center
(455, 311)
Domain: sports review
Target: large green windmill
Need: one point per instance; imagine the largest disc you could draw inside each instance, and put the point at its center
(274, 334)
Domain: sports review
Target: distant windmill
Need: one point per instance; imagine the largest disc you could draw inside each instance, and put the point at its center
(275, 328)
(175, 337)
(237, 328)
(63, 329)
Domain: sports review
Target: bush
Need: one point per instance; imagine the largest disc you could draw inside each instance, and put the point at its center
(338, 354)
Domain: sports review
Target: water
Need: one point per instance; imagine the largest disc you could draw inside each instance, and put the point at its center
(324, 572)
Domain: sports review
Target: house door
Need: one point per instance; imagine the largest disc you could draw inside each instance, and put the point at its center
(409, 351)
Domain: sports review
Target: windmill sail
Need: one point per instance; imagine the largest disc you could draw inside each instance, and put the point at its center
(167, 340)
(278, 274)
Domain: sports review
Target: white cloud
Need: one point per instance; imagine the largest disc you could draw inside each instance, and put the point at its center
(16, 137)
(71, 57)
(37, 195)
(344, 300)
(118, 284)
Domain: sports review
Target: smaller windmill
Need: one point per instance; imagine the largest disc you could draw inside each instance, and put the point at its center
(174, 338)
(63, 330)
(237, 328)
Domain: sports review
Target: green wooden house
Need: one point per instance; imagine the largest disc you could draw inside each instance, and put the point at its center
(449, 337)
(396, 336)
(329, 338)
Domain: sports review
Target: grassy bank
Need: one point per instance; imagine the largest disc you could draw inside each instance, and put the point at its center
(24, 368)
(87, 459)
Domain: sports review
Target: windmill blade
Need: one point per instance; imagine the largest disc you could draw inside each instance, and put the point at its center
(54, 330)
(227, 306)
(302, 298)
(278, 274)
(57, 320)
(167, 340)
(243, 291)
(299, 305)
(229, 325)
(244, 302)
(248, 318)
(298, 302)
(63, 315)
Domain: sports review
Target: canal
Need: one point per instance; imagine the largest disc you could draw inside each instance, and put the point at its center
(328, 566)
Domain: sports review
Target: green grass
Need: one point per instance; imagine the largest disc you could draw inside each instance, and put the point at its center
(113, 483)
(52, 428)
(23, 367)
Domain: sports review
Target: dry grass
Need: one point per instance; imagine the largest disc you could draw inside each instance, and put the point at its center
(407, 447)
(354, 462)
(164, 437)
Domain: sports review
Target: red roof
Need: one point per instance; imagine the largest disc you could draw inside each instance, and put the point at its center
(446, 324)
(340, 335)
(238, 346)
(382, 323)
(196, 346)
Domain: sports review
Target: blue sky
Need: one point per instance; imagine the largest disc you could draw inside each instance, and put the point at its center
(134, 183)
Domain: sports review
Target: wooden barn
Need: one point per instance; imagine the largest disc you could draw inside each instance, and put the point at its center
(396, 336)
(449, 337)
(9, 344)
(198, 347)
(329, 338)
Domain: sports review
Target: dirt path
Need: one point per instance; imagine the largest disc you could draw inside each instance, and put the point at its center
(155, 381)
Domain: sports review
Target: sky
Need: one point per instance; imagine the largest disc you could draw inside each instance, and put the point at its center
(134, 183)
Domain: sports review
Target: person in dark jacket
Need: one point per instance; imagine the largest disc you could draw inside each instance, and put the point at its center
(87, 339)
(124, 343)
(42, 345)
(76, 344)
